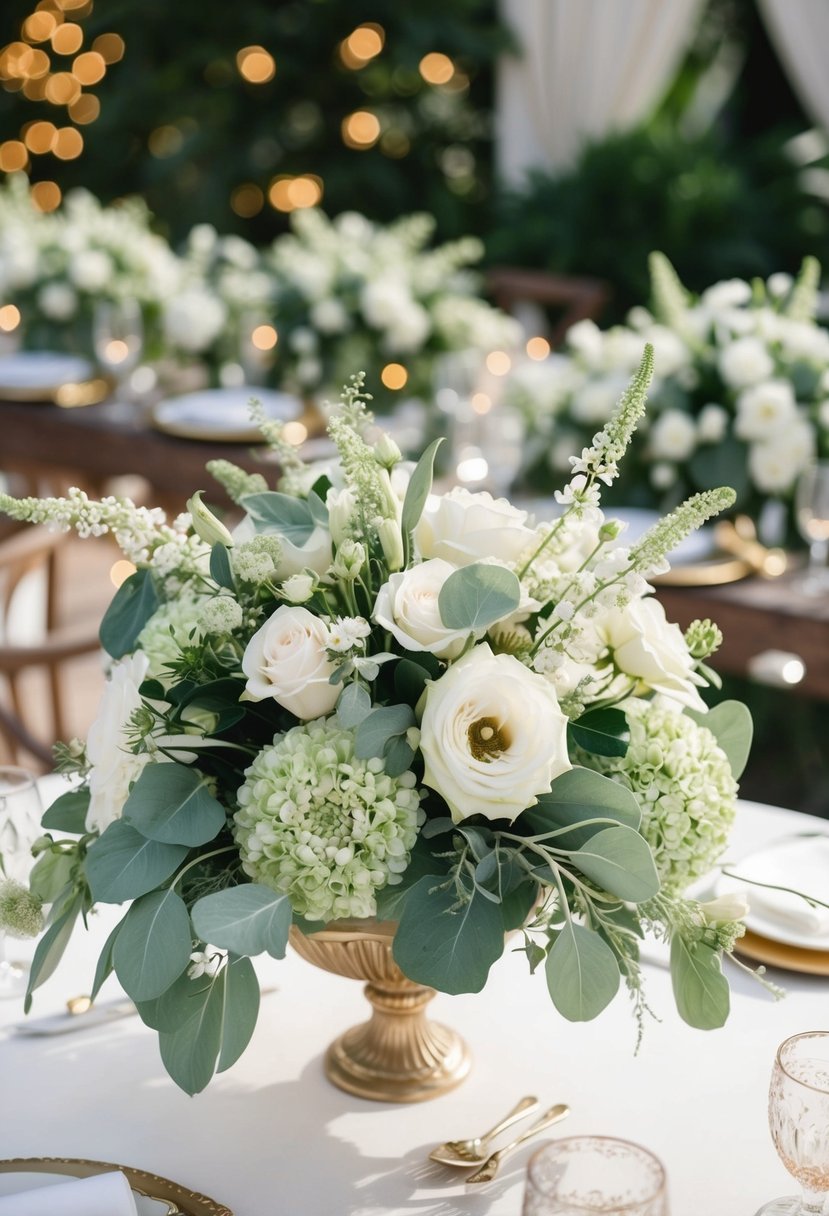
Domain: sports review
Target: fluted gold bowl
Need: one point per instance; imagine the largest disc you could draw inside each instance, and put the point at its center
(398, 1055)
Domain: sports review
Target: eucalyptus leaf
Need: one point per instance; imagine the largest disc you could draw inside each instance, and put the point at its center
(248, 919)
(731, 725)
(392, 898)
(122, 864)
(191, 1052)
(381, 725)
(50, 949)
(317, 509)
(448, 947)
(153, 946)
(700, 988)
(417, 491)
(411, 676)
(353, 706)
(477, 596)
(133, 604)
(576, 796)
(399, 757)
(175, 1006)
(604, 732)
(221, 570)
(171, 804)
(620, 861)
(51, 874)
(582, 973)
(516, 902)
(104, 967)
(67, 813)
(271, 511)
(240, 1011)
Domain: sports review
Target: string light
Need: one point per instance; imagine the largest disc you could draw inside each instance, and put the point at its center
(46, 196)
(293, 193)
(9, 318)
(89, 67)
(360, 130)
(255, 64)
(247, 200)
(362, 45)
(498, 362)
(394, 376)
(62, 89)
(110, 47)
(67, 38)
(13, 156)
(120, 571)
(40, 136)
(39, 27)
(436, 68)
(264, 337)
(85, 109)
(538, 348)
(481, 403)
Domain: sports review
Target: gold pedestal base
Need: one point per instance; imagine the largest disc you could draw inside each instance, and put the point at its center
(398, 1055)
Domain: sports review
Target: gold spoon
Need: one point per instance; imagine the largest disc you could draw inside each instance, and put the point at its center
(493, 1163)
(471, 1152)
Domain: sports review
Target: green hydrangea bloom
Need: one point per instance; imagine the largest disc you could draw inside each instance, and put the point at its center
(170, 628)
(684, 785)
(21, 912)
(322, 826)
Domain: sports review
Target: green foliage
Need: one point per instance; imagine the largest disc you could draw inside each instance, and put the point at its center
(446, 944)
(576, 797)
(153, 945)
(67, 813)
(122, 864)
(417, 491)
(604, 732)
(619, 860)
(274, 512)
(50, 948)
(731, 724)
(248, 919)
(700, 988)
(133, 604)
(381, 729)
(172, 805)
(582, 973)
(477, 596)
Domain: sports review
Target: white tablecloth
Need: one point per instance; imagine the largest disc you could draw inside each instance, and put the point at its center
(273, 1138)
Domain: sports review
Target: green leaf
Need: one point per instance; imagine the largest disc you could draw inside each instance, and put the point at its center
(171, 804)
(221, 570)
(51, 874)
(274, 512)
(604, 732)
(620, 861)
(173, 1008)
(700, 988)
(50, 949)
(582, 973)
(398, 758)
(248, 919)
(392, 899)
(105, 966)
(381, 725)
(153, 946)
(353, 706)
(417, 491)
(411, 675)
(122, 864)
(318, 509)
(477, 596)
(721, 464)
(516, 904)
(191, 1052)
(67, 813)
(241, 1009)
(448, 947)
(731, 725)
(133, 604)
(576, 796)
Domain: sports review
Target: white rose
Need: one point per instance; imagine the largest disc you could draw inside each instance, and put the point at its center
(712, 423)
(779, 284)
(765, 410)
(462, 528)
(407, 605)
(651, 649)
(775, 463)
(91, 269)
(286, 660)
(313, 554)
(493, 736)
(673, 436)
(745, 362)
(329, 316)
(299, 588)
(113, 766)
(730, 293)
(193, 320)
(57, 301)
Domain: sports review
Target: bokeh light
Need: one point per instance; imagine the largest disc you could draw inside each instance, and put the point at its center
(165, 141)
(264, 337)
(85, 109)
(436, 68)
(292, 193)
(394, 376)
(89, 67)
(121, 571)
(360, 130)
(110, 47)
(9, 318)
(247, 200)
(68, 143)
(255, 64)
(362, 45)
(295, 433)
(62, 89)
(67, 38)
(498, 362)
(13, 156)
(39, 27)
(46, 196)
(538, 348)
(40, 136)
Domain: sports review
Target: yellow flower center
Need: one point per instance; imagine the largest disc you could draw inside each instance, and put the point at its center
(487, 739)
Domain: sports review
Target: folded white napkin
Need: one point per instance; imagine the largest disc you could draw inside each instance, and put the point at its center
(801, 863)
(103, 1195)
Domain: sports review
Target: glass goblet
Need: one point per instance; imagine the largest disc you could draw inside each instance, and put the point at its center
(118, 337)
(799, 1121)
(595, 1176)
(20, 812)
(812, 514)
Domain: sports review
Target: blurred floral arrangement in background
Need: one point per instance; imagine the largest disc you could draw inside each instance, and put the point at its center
(740, 393)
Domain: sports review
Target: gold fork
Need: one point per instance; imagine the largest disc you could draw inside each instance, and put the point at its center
(467, 1153)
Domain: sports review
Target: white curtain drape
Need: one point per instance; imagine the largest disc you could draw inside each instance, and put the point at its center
(799, 30)
(585, 68)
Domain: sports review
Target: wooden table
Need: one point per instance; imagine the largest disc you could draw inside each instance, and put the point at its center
(759, 616)
(98, 442)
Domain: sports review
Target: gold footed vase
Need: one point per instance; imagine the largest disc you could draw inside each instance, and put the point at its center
(398, 1055)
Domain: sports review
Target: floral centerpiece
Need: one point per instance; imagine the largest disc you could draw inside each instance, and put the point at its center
(740, 393)
(370, 700)
(55, 266)
(351, 293)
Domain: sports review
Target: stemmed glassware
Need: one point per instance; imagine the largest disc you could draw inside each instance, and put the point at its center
(595, 1176)
(118, 337)
(812, 513)
(799, 1121)
(20, 812)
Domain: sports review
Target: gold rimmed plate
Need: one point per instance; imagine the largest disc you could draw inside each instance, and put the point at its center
(223, 414)
(780, 954)
(177, 1200)
(711, 573)
(49, 376)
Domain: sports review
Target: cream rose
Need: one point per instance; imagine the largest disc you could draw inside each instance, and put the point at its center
(651, 649)
(113, 767)
(407, 605)
(286, 660)
(462, 528)
(493, 736)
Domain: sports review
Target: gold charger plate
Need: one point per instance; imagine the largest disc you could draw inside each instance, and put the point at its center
(188, 1203)
(69, 395)
(779, 954)
(712, 573)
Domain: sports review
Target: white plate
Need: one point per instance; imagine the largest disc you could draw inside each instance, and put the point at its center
(223, 413)
(44, 372)
(13, 1184)
(812, 881)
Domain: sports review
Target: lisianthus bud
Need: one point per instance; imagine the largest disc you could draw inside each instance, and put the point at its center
(350, 559)
(610, 529)
(725, 908)
(205, 524)
(299, 588)
(387, 452)
(392, 542)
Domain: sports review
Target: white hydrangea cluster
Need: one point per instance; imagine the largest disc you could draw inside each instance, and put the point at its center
(171, 627)
(322, 826)
(684, 785)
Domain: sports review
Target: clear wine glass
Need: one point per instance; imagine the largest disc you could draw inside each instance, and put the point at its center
(118, 337)
(812, 514)
(20, 812)
(595, 1176)
(799, 1121)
